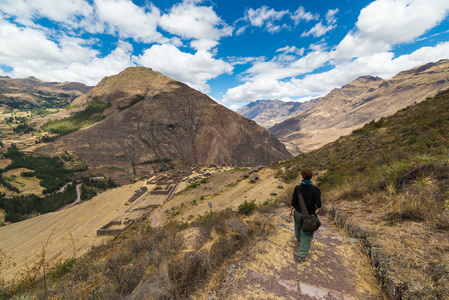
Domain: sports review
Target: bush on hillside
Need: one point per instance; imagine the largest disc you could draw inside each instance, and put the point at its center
(246, 208)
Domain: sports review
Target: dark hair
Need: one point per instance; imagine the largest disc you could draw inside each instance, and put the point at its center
(307, 174)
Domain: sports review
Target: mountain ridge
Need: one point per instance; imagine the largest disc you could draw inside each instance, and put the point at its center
(32, 92)
(343, 110)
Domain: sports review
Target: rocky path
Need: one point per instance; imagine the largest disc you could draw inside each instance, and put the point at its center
(334, 269)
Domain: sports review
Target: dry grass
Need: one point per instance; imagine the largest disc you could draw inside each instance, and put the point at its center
(151, 264)
(408, 223)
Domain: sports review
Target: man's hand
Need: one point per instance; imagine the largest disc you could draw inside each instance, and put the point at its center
(291, 213)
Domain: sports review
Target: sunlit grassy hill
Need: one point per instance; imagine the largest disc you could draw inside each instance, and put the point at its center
(391, 178)
(415, 136)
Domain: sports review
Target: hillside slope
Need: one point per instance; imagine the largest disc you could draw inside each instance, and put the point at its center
(367, 98)
(387, 184)
(31, 92)
(149, 117)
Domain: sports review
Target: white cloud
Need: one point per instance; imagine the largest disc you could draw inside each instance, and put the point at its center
(191, 21)
(87, 69)
(285, 65)
(264, 17)
(94, 70)
(22, 45)
(400, 21)
(234, 107)
(386, 23)
(129, 20)
(58, 10)
(286, 49)
(320, 29)
(192, 69)
(330, 16)
(300, 14)
(381, 64)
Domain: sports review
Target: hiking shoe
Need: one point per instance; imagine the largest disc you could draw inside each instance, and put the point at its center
(300, 259)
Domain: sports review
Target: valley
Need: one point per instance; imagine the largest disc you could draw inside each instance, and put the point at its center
(187, 220)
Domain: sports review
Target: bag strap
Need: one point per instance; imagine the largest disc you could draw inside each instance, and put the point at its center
(303, 205)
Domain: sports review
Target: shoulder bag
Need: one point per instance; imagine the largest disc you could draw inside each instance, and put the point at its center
(309, 223)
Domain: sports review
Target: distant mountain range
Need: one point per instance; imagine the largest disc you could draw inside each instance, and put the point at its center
(350, 107)
(268, 113)
(141, 117)
(31, 93)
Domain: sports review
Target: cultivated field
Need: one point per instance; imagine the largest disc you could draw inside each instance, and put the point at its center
(26, 185)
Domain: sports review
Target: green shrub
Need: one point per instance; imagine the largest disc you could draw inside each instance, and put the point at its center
(246, 208)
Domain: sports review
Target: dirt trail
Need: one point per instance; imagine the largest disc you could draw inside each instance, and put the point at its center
(334, 269)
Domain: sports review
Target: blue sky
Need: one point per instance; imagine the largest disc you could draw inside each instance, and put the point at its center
(236, 51)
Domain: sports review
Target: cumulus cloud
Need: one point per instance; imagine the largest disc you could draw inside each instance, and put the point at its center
(80, 65)
(191, 21)
(192, 69)
(23, 45)
(381, 64)
(402, 21)
(386, 23)
(66, 11)
(129, 20)
(366, 50)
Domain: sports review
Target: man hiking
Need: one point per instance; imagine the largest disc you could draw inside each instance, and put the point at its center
(312, 199)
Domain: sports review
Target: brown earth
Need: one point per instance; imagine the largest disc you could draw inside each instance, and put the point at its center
(334, 269)
(224, 190)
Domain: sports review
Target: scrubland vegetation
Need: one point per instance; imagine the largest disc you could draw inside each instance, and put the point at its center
(147, 263)
(89, 116)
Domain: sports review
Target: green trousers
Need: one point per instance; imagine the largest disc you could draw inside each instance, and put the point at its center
(304, 237)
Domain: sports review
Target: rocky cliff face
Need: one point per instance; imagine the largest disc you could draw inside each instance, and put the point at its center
(268, 113)
(367, 98)
(154, 118)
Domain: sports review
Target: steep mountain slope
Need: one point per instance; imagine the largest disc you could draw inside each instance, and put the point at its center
(367, 98)
(268, 113)
(32, 92)
(152, 118)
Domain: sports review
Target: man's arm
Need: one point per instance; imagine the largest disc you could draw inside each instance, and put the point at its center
(294, 200)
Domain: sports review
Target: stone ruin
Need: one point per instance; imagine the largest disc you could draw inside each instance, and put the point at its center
(254, 177)
(137, 194)
(166, 183)
(114, 227)
(255, 169)
(162, 190)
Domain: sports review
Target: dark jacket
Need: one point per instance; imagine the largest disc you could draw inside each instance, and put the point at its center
(311, 195)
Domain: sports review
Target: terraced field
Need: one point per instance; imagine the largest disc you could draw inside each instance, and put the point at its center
(23, 242)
